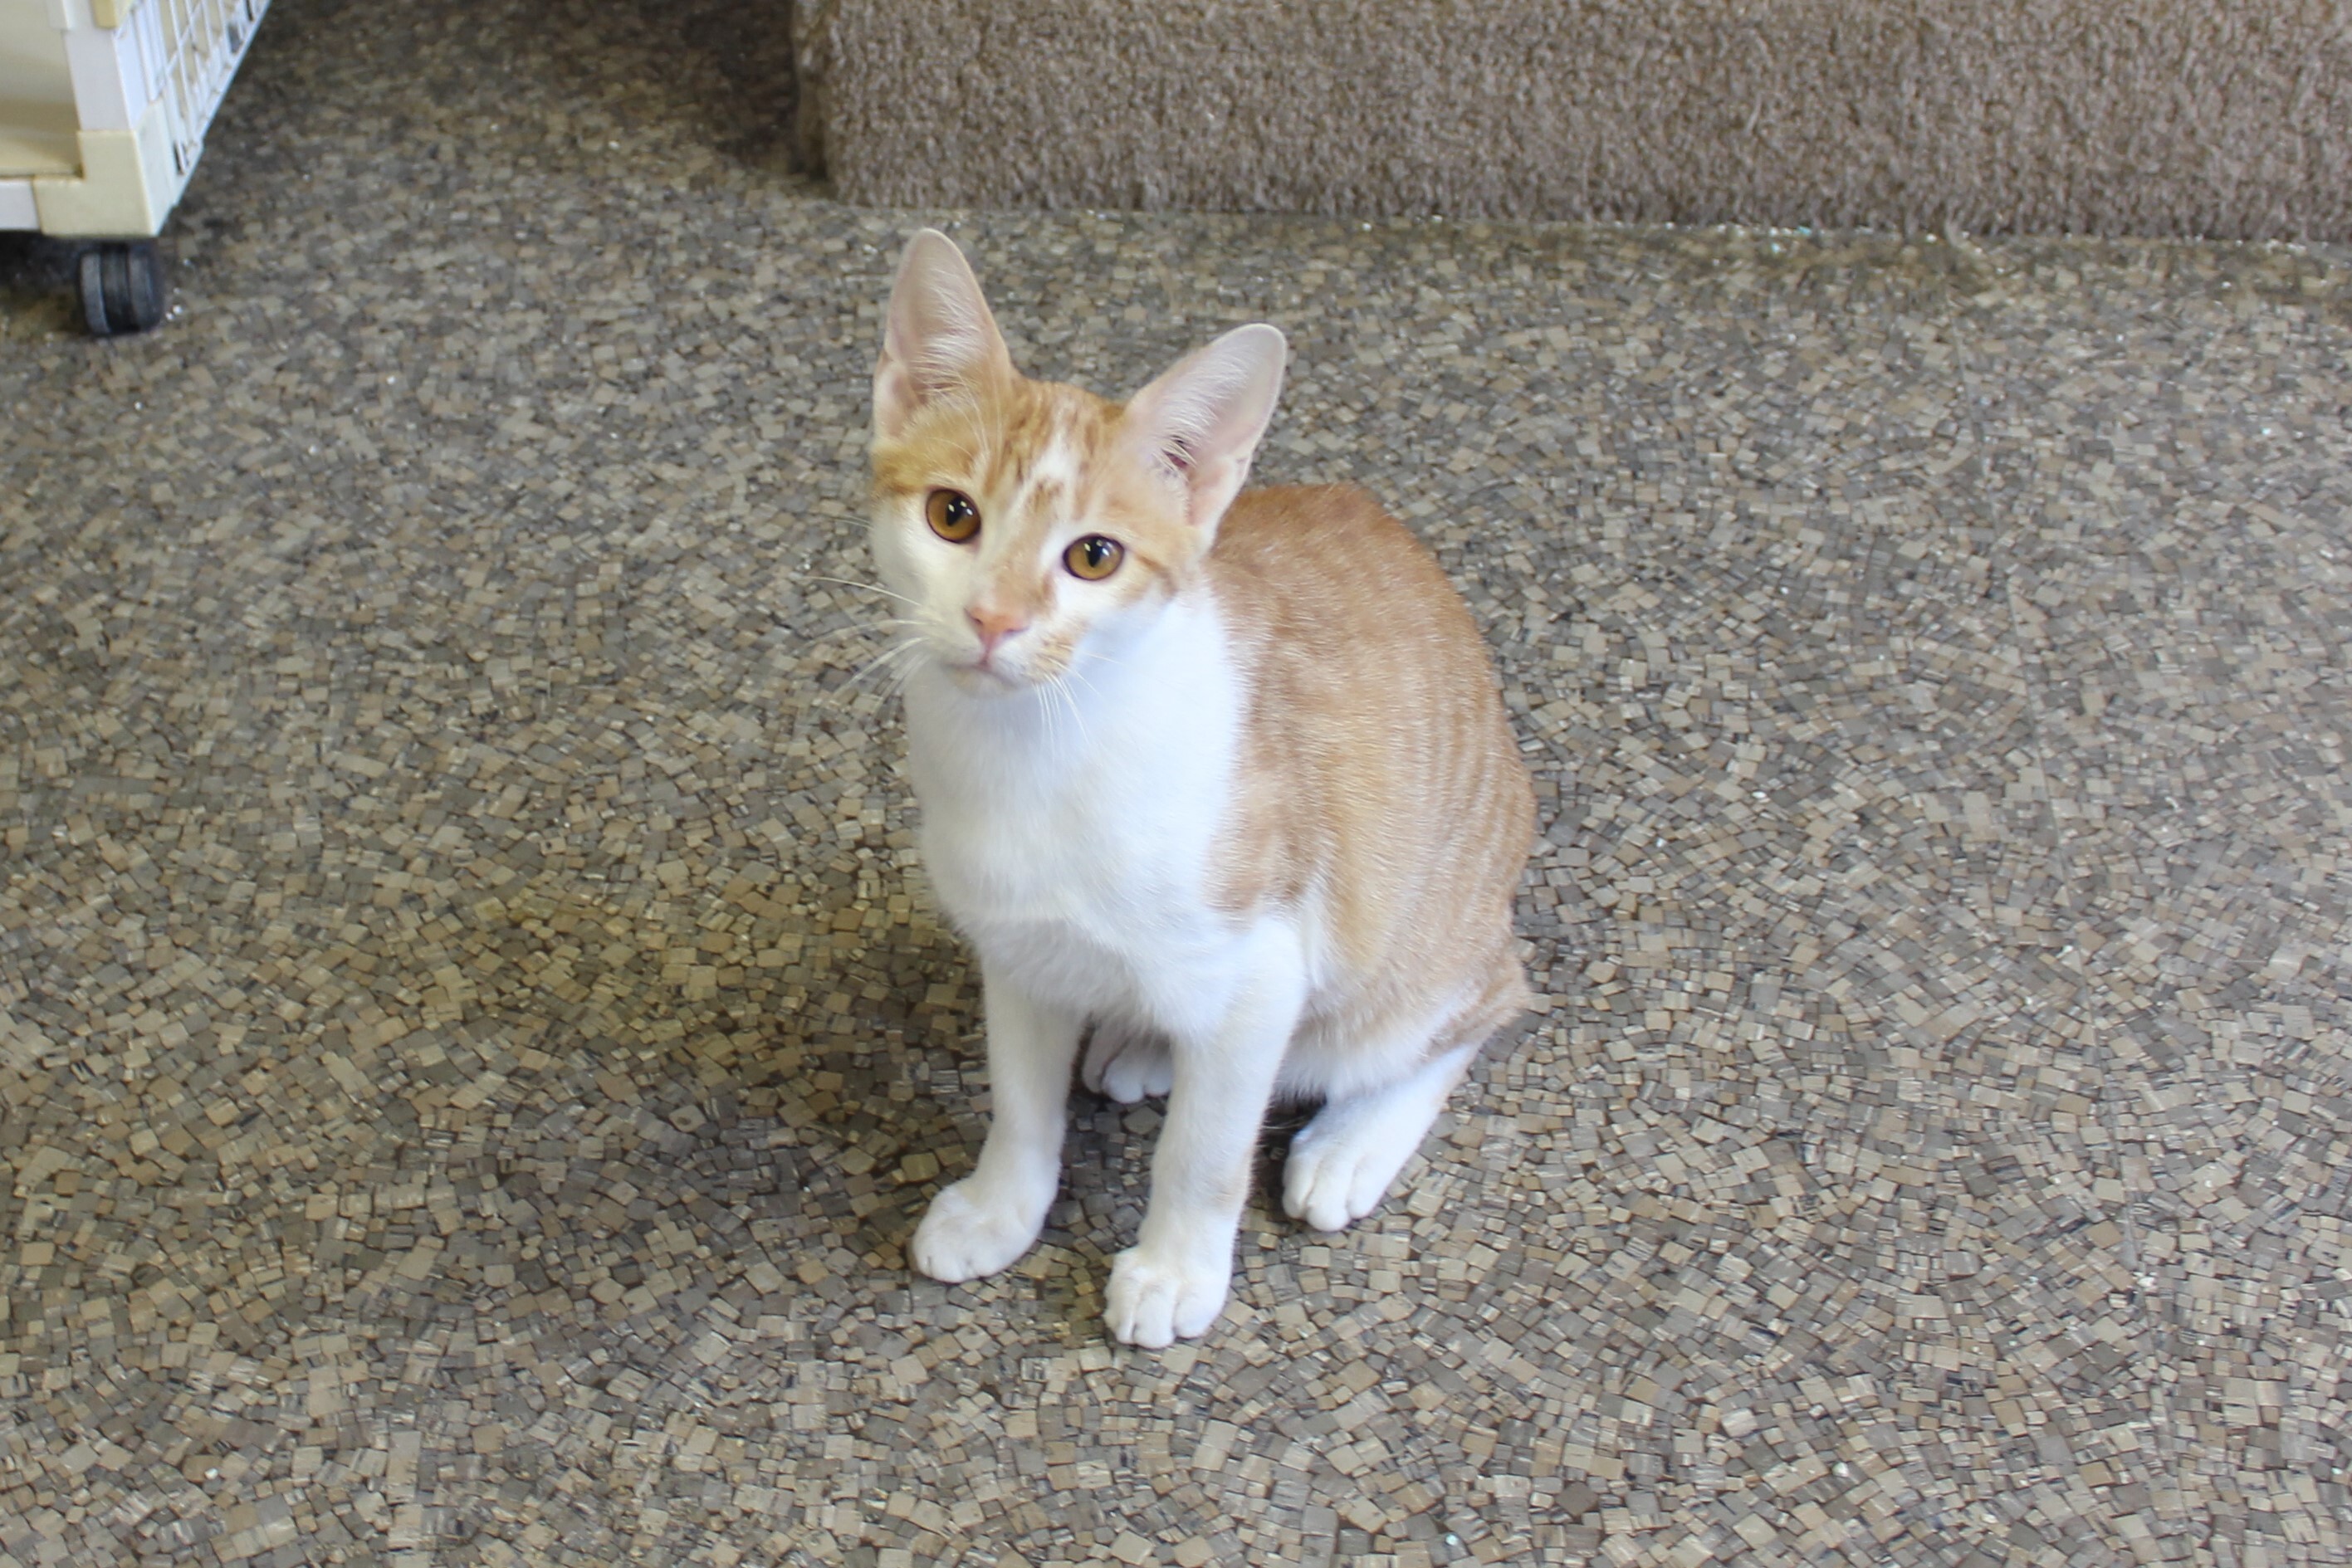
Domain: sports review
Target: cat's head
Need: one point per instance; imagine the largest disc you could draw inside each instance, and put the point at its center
(1025, 521)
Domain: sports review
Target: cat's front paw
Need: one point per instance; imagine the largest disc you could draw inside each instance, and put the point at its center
(1157, 1300)
(1128, 1063)
(969, 1233)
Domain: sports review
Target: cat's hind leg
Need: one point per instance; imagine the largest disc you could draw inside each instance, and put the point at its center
(1343, 1162)
(1127, 1061)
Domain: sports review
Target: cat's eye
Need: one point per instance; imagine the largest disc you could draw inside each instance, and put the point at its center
(1094, 558)
(952, 515)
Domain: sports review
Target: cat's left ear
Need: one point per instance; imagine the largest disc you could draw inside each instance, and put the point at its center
(1201, 422)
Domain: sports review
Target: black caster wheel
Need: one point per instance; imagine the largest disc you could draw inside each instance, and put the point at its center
(122, 288)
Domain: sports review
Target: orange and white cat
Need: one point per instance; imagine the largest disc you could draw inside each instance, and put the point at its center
(1221, 777)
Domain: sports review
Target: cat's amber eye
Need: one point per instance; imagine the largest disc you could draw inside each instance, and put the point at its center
(952, 515)
(1094, 558)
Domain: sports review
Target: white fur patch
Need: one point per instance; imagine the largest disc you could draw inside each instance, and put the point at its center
(1056, 465)
(1069, 829)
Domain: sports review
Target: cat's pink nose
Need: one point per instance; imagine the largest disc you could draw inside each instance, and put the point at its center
(993, 626)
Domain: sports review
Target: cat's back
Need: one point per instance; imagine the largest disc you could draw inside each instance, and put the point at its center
(1379, 768)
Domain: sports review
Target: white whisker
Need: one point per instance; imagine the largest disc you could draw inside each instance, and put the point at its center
(863, 629)
(852, 583)
(879, 663)
(1078, 717)
(1076, 673)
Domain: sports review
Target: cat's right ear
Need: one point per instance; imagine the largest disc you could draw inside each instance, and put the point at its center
(937, 336)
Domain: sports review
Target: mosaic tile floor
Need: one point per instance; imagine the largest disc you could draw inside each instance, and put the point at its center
(474, 1039)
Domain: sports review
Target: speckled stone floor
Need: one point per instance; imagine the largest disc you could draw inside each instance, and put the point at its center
(474, 1039)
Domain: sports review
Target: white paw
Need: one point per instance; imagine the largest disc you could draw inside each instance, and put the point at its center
(1155, 1300)
(970, 1232)
(1128, 1063)
(1341, 1167)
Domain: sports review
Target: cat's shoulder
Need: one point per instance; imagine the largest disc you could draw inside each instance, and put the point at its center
(1332, 552)
(1285, 517)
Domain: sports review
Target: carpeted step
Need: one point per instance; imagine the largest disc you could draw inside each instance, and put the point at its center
(2224, 118)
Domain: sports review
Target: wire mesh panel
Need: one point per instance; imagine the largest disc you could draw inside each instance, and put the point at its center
(196, 44)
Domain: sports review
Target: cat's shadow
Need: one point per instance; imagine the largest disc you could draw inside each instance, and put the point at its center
(1106, 1184)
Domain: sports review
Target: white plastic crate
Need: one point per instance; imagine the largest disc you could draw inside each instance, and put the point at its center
(102, 120)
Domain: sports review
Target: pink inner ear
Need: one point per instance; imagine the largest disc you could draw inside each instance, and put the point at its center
(1205, 415)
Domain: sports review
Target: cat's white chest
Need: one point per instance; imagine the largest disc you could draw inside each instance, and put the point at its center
(1071, 834)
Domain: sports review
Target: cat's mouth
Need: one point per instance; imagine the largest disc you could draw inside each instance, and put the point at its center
(985, 675)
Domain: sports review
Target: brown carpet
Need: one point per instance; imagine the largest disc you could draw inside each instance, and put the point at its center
(2229, 119)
